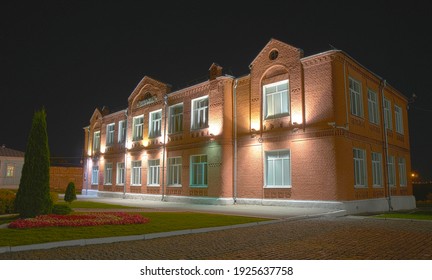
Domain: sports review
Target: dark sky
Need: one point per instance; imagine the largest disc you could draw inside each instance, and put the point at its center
(74, 56)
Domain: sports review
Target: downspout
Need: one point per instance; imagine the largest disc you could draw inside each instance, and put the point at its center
(125, 156)
(346, 125)
(386, 177)
(164, 147)
(235, 141)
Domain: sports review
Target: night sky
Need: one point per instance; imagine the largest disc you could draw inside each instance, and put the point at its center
(74, 56)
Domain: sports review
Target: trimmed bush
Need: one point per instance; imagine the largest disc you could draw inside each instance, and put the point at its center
(70, 194)
(7, 201)
(61, 209)
(54, 197)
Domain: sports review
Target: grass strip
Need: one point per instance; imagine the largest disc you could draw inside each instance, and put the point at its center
(159, 222)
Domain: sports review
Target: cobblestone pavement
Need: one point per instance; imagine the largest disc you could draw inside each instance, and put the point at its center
(342, 238)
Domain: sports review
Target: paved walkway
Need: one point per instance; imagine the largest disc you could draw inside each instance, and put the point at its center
(341, 238)
(298, 234)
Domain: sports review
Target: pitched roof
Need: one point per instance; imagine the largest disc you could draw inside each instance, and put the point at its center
(6, 152)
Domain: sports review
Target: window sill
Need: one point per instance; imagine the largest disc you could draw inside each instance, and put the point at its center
(174, 186)
(277, 187)
(198, 186)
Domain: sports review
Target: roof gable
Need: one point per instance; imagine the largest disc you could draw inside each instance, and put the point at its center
(275, 44)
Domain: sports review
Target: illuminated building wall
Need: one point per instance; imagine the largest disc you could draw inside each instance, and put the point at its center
(294, 128)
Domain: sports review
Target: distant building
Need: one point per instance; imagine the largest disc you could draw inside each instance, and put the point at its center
(321, 131)
(11, 163)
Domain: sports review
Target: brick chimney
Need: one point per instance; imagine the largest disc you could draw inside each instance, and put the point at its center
(215, 71)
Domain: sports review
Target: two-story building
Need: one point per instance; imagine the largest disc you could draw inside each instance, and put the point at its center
(321, 131)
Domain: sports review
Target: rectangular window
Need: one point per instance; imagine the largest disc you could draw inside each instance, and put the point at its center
(387, 115)
(174, 171)
(373, 107)
(96, 141)
(121, 131)
(276, 99)
(137, 133)
(402, 172)
(198, 170)
(110, 134)
(10, 170)
(278, 169)
(95, 175)
(199, 113)
(136, 173)
(356, 97)
(377, 173)
(120, 180)
(398, 120)
(359, 167)
(176, 118)
(153, 172)
(391, 171)
(108, 174)
(155, 124)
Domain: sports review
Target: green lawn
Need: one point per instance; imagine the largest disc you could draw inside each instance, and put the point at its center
(95, 205)
(417, 214)
(159, 222)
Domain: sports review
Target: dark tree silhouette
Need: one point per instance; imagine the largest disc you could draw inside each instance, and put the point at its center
(33, 196)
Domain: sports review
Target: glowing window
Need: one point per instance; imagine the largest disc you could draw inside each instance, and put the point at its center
(276, 99)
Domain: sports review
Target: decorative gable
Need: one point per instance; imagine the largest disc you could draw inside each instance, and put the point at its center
(276, 52)
(148, 91)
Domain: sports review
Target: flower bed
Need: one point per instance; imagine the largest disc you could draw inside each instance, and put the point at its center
(78, 220)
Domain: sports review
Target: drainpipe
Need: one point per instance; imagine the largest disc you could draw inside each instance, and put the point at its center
(346, 97)
(383, 84)
(235, 141)
(164, 147)
(126, 151)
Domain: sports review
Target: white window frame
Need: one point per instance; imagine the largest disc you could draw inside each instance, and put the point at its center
(136, 173)
(10, 170)
(356, 97)
(121, 131)
(274, 103)
(360, 174)
(388, 122)
(398, 119)
(200, 112)
(155, 124)
(95, 175)
(199, 171)
(110, 134)
(174, 171)
(96, 141)
(138, 128)
(377, 171)
(373, 108)
(403, 181)
(274, 160)
(153, 172)
(120, 174)
(175, 119)
(391, 171)
(108, 173)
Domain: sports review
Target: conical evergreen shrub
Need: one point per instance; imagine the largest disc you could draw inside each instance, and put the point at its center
(33, 196)
(70, 194)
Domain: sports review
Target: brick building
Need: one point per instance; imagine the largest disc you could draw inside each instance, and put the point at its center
(321, 131)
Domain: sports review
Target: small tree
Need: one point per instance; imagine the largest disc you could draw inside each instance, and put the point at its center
(70, 194)
(33, 196)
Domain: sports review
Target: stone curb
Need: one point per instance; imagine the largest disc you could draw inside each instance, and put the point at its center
(105, 240)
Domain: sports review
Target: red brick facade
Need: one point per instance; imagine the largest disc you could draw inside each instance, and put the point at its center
(294, 128)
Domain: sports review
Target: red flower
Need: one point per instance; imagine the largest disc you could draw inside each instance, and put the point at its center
(74, 220)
